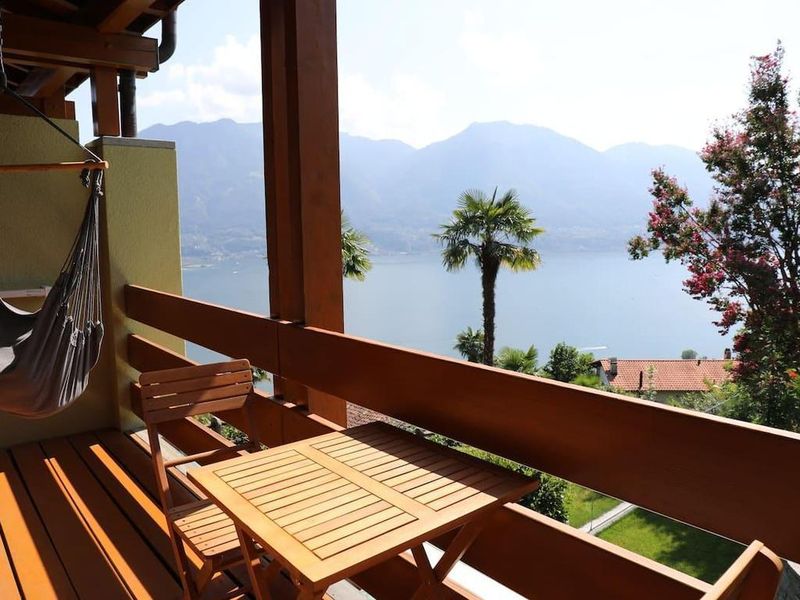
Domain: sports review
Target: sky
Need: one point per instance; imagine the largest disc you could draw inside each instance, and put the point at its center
(420, 71)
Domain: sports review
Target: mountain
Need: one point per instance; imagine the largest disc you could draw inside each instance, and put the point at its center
(398, 195)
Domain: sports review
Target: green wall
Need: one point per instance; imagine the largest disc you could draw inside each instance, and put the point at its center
(39, 216)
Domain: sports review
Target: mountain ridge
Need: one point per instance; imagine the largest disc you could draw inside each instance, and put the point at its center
(585, 199)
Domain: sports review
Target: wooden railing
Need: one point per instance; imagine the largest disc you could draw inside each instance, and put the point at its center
(734, 479)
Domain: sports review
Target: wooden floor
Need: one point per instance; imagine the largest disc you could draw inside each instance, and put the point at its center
(79, 519)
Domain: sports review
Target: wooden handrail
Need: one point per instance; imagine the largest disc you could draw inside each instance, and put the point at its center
(752, 576)
(689, 466)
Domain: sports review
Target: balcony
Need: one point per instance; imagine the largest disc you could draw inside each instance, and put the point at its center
(80, 516)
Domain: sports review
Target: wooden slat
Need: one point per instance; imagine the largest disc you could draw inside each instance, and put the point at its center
(231, 392)
(194, 374)
(8, 583)
(81, 554)
(188, 410)
(36, 562)
(200, 383)
(143, 573)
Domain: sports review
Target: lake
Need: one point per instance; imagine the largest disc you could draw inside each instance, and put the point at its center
(602, 302)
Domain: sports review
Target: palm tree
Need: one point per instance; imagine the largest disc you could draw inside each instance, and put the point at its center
(495, 232)
(469, 344)
(517, 359)
(355, 254)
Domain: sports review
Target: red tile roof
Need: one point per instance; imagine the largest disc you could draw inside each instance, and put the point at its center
(668, 375)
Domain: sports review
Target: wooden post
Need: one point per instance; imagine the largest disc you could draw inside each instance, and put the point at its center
(301, 153)
(105, 101)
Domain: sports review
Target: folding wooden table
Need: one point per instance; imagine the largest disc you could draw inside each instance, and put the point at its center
(331, 506)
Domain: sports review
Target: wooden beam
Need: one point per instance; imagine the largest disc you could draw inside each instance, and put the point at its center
(52, 43)
(112, 16)
(313, 69)
(105, 102)
(284, 228)
(62, 110)
(301, 151)
(61, 8)
(228, 332)
(311, 40)
(44, 83)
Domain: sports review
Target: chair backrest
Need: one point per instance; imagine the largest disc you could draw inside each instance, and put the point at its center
(753, 576)
(174, 394)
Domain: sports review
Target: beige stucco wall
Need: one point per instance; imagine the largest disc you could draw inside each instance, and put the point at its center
(141, 245)
(39, 216)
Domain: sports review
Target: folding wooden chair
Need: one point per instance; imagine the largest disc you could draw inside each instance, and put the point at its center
(753, 576)
(177, 393)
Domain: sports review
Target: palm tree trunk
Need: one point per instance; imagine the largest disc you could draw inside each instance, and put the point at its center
(488, 279)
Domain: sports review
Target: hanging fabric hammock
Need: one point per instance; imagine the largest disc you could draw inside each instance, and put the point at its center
(46, 356)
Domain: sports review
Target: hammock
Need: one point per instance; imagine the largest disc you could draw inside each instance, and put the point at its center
(46, 356)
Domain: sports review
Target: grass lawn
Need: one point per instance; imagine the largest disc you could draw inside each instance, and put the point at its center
(584, 505)
(674, 544)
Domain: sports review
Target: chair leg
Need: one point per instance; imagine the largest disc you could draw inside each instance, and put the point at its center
(190, 591)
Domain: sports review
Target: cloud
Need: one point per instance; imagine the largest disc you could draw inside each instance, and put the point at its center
(409, 109)
(505, 57)
(229, 86)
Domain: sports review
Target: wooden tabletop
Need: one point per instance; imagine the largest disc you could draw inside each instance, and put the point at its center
(331, 506)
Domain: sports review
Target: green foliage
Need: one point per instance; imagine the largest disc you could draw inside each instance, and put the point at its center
(743, 251)
(548, 500)
(516, 359)
(692, 551)
(259, 374)
(649, 392)
(726, 400)
(227, 430)
(589, 380)
(567, 363)
(495, 232)
(469, 344)
(355, 254)
(689, 354)
(584, 505)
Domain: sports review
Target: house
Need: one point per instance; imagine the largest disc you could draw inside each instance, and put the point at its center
(667, 378)
(79, 514)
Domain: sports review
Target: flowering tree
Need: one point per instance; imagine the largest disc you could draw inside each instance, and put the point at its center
(743, 250)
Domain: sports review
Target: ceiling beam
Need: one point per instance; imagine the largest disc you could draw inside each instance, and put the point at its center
(43, 82)
(57, 7)
(109, 16)
(77, 46)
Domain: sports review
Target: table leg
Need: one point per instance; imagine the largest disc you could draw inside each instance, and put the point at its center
(259, 578)
(433, 577)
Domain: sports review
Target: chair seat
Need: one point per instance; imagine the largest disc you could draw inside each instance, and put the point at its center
(205, 529)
